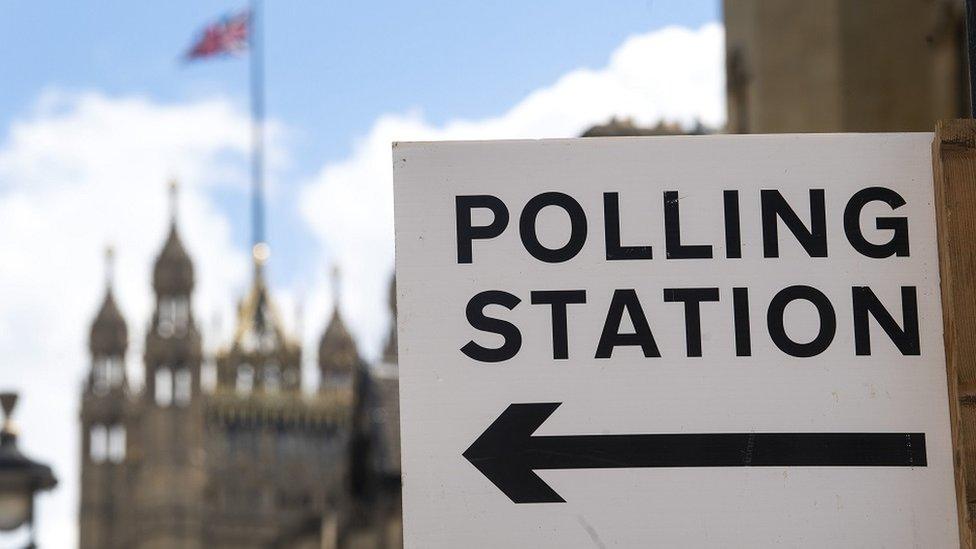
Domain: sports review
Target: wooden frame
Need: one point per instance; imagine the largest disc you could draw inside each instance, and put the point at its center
(954, 174)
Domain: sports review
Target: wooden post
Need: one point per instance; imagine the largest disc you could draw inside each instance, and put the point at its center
(954, 170)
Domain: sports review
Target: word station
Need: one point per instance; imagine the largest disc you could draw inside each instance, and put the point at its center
(775, 210)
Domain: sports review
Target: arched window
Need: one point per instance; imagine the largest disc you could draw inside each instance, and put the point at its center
(107, 373)
(208, 376)
(272, 378)
(100, 383)
(174, 316)
(164, 386)
(245, 379)
(116, 369)
(182, 386)
(98, 443)
(115, 451)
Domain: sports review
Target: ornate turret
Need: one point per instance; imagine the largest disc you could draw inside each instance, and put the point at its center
(173, 347)
(262, 358)
(108, 340)
(173, 272)
(109, 333)
(338, 355)
(168, 480)
(104, 406)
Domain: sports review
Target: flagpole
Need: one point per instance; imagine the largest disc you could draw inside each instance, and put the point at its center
(256, 69)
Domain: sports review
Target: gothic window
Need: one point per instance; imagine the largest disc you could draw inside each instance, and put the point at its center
(100, 383)
(98, 443)
(259, 341)
(268, 341)
(174, 316)
(272, 378)
(114, 371)
(249, 341)
(164, 386)
(245, 379)
(182, 386)
(107, 373)
(115, 447)
(208, 376)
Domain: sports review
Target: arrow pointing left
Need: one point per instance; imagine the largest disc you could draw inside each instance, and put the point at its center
(508, 454)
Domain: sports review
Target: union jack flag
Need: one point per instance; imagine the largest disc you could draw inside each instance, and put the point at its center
(227, 36)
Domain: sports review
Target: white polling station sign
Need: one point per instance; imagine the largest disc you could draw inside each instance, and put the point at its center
(730, 341)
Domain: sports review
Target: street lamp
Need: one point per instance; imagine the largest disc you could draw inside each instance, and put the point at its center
(20, 477)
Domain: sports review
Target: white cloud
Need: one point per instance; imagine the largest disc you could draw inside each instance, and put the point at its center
(673, 74)
(80, 171)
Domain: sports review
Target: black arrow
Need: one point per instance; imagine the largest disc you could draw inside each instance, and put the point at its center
(507, 453)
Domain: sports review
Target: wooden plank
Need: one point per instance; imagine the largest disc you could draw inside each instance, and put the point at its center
(954, 170)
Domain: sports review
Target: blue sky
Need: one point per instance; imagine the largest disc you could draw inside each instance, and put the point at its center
(332, 68)
(97, 111)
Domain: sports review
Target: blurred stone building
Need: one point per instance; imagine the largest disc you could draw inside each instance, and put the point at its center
(844, 65)
(250, 460)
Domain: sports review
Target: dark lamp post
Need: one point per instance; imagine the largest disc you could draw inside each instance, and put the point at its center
(20, 476)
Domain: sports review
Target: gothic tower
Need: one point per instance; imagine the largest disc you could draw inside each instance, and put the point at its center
(271, 450)
(261, 358)
(342, 371)
(169, 467)
(253, 462)
(339, 360)
(103, 415)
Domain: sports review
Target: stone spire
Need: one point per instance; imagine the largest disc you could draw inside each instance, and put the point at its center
(167, 424)
(338, 354)
(262, 358)
(109, 334)
(108, 342)
(173, 271)
(259, 326)
(173, 350)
